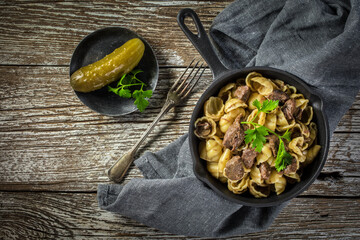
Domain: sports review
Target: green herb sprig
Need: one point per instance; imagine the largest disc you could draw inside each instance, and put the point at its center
(257, 135)
(123, 89)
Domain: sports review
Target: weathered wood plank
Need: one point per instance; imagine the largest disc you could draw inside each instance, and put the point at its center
(46, 33)
(54, 215)
(33, 95)
(50, 141)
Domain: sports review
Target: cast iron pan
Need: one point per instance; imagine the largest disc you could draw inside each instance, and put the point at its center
(222, 76)
(96, 46)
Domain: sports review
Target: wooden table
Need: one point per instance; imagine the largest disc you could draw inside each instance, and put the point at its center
(54, 150)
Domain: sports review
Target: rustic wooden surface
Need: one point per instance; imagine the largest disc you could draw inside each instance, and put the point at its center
(54, 150)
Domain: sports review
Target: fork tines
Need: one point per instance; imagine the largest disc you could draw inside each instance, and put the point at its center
(183, 85)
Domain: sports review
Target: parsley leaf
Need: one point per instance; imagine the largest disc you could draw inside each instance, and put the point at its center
(125, 93)
(147, 93)
(140, 101)
(256, 135)
(283, 158)
(257, 104)
(287, 135)
(114, 90)
(269, 105)
(123, 89)
(136, 71)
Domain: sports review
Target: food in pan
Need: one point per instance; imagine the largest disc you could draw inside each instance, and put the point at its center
(257, 135)
(99, 74)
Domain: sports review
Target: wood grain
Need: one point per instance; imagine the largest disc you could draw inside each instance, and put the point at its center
(54, 150)
(51, 141)
(46, 33)
(64, 215)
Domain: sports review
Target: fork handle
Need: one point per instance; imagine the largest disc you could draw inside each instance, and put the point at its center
(117, 171)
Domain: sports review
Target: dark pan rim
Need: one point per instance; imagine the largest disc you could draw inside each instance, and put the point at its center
(252, 201)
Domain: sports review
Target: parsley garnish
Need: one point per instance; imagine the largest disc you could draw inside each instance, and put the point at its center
(128, 80)
(257, 135)
(283, 158)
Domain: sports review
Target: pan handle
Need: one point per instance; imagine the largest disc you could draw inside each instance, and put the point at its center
(201, 41)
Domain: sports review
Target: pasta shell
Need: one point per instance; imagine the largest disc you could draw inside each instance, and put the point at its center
(214, 108)
(313, 133)
(256, 82)
(274, 177)
(248, 79)
(311, 154)
(227, 119)
(225, 92)
(296, 144)
(292, 89)
(254, 96)
(213, 149)
(260, 119)
(294, 177)
(224, 158)
(264, 155)
(255, 175)
(280, 118)
(205, 127)
(271, 161)
(234, 103)
(259, 191)
(299, 130)
(278, 180)
(286, 127)
(219, 133)
(280, 185)
(239, 187)
(202, 150)
(307, 115)
(270, 121)
(213, 169)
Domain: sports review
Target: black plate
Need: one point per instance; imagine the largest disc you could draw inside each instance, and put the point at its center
(222, 76)
(96, 46)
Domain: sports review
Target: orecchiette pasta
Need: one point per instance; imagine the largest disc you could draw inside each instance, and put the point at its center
(205, 127)
(213, 149)
(223, 127)
(224, 158)
(227, 119)
(214, 108)
(233, 103)
(239, 187)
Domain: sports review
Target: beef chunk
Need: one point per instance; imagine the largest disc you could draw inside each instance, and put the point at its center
(234, 169)
(289, 109)
(248, 156)
(234, 136)
(265, 170)
(292, 167)
(274, 144)
(279, 95)
(242, 93)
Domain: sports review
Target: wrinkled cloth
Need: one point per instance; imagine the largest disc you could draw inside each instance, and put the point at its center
(316, 40)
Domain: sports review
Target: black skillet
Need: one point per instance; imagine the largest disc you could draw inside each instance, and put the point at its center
(97, 45)
(222, 76)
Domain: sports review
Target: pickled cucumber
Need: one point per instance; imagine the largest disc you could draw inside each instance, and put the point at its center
(99, 74)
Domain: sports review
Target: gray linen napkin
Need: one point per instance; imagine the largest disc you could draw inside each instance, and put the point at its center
(315, 40)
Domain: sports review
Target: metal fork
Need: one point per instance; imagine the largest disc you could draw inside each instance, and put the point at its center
(179, 90)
